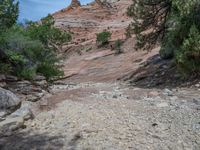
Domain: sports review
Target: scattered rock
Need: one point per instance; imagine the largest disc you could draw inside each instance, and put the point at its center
(154, 124)
(165, 66)
(10, 78)
(115, 96)
(2, 84)
(153, 94)
(34, 96)
(39, 78)
(162, 105)
(168, 92)
(196, 101)
(42, 83)
(2, 77)
(30, 91)
(197, 85)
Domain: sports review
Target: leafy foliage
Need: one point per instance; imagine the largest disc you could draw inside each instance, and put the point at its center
(103, 38)
(49, 70)
(50, 36)
(188, 59)
(170, 23)
(24, 54)
(8, 13)
(118, 45)
(27, 51)
(149, 18)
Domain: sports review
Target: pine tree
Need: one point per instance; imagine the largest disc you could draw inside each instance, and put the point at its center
(9, 10)
(169, 24)
(149, 19)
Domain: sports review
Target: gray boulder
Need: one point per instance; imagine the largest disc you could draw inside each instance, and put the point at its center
(9, 102)
(10, 124)
(25, 112)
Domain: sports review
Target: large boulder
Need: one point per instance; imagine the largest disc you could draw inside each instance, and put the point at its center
(9, 102)
(10, 124)
(24, 111)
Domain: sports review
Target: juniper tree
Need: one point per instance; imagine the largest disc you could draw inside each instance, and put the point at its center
(169, 23)
(8, 13)
(27, 51)
(149, 19)
(9, 10)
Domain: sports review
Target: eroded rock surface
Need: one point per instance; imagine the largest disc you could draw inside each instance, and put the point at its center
(9, 125)
(9, 102)
(85, 21)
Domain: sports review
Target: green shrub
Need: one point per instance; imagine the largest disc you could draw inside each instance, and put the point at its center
(26, 51)
(8, 13)
(168, 48)
(103, 38)
(49, 70)
(117, 47)
(173, 24)
(129, 32)
(5, 68)
(25, 56)
(188, 57)
(26, 73)
(45, 32)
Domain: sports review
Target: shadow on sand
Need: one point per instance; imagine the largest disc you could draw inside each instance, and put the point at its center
(27, 140)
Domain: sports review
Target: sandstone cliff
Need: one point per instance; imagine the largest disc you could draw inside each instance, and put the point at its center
(87, 20)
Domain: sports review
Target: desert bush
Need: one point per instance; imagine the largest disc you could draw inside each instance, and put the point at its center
(45, 32)
(188, 57)
(31, 49)
(8, 13)
(26, 55)
(5, 68)
(117, 46)
(103, 38)
(49, 70)
(171, 24)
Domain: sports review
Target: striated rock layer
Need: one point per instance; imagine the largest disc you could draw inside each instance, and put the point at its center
(85, 21)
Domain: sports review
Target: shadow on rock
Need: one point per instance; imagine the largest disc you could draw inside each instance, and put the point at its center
(159, 73)
(27, 140)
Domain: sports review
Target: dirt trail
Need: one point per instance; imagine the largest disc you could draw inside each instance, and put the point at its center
(91, 110)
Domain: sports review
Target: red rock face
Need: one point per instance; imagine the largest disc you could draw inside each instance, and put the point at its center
(88, 20)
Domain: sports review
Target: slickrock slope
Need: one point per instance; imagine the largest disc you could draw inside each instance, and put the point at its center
(85, 21)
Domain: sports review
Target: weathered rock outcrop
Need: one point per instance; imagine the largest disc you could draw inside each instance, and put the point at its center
(9, 125)
(24, 111)
(9, 102)
(87, 20)
(104, 3)
(75, 4)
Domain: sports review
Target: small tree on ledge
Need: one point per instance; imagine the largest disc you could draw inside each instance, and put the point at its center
(103, 38)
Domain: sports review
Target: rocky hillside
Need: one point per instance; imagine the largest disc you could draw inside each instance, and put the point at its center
(87, 20)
